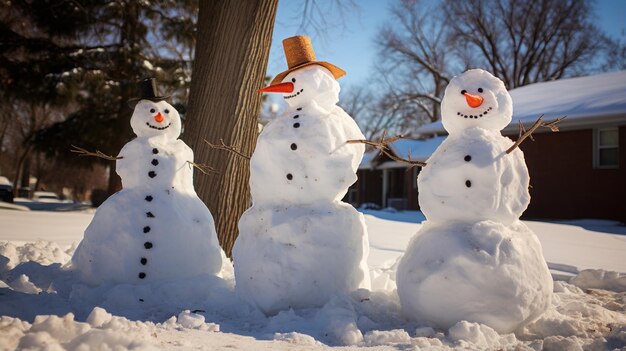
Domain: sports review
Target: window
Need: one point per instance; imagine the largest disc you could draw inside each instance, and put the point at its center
(606, 148)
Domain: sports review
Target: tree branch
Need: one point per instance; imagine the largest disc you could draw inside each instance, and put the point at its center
(205, 169)
(83, 152)
(526, 134)
(228, 148)
(383, 146)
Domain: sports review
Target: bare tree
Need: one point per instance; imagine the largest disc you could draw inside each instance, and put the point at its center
(415, 60)
(26, 118)
(521, 42)
(376, 115)
(229, 67)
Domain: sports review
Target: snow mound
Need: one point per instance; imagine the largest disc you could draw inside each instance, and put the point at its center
(476, 335)
(44, 252)
(576, 320)
(23, 284)
(600, 279)
(387, 337)
(297, 339)
(190, 320)
(65, 333)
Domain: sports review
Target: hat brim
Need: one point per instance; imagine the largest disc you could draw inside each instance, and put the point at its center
(336, 71)
(132, 102)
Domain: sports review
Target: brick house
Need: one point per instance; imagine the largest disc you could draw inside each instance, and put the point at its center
(387, 183)
(579, 172)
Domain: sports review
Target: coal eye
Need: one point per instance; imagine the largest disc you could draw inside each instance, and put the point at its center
(167, 111)
(480, 90)
(152, 110)
(293, 80)
(463, 92)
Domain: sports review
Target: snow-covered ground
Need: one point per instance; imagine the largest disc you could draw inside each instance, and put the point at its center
(588, 310)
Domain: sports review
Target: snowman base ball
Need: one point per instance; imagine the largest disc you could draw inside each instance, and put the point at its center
(300, 256)
(115, 247)
(484, 272)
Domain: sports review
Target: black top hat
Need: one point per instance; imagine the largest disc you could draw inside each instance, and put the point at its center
(147, 91)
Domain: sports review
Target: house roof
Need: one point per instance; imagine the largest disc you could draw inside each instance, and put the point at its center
(417, 150)
(586, 101)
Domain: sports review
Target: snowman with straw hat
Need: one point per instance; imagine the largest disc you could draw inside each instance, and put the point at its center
(299, 244)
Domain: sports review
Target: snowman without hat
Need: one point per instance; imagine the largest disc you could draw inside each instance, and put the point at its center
(155, 228)
(473, 259)
(299, 245)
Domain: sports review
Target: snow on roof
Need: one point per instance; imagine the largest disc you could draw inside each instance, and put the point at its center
(418, 150)
(5, 181)
(368, 157)
(584, 100)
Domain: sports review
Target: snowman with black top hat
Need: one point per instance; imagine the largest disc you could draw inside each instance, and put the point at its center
(156, 228)
(299, 244)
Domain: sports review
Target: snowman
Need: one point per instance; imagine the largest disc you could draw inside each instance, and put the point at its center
(298, 244)
(156, 228)
(473, 259)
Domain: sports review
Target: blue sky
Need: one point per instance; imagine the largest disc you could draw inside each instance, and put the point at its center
(349, 42)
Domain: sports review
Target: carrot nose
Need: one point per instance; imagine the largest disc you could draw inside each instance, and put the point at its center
(158, 117)
(278, 88)
(473, 100)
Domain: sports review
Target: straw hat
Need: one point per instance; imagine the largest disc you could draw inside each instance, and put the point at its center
(147, 91)
(299, 53)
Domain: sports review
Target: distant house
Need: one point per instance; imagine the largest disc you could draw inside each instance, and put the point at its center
(387, 183)
(579, 172)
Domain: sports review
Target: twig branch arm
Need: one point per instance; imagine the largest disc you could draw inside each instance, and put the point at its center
(383, 146)
(228, 148)
(83, 152)
(528, 134)
(204, 169)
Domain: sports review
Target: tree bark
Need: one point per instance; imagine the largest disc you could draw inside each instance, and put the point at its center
(129, 40)
(232, 50)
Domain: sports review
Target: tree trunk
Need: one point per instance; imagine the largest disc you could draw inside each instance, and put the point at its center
(25, 174)
(129, 40)
(233, 46)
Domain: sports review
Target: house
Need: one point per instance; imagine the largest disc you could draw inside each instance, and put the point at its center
(387, 183)
(579, 172)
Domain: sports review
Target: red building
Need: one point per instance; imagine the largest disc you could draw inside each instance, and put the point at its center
(579, 172)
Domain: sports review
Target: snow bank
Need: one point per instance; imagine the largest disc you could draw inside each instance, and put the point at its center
(44, 252)
(585, 317)
(101, 331)
(600, 279)
(577, 318)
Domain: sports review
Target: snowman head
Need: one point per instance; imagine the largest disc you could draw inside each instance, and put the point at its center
(306, 85)
(154, 118)
(307, 80)
(476, 99)
(312, 84)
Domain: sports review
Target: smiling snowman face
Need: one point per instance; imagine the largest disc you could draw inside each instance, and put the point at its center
(312, 83)
(476, 99)
(155, 118)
